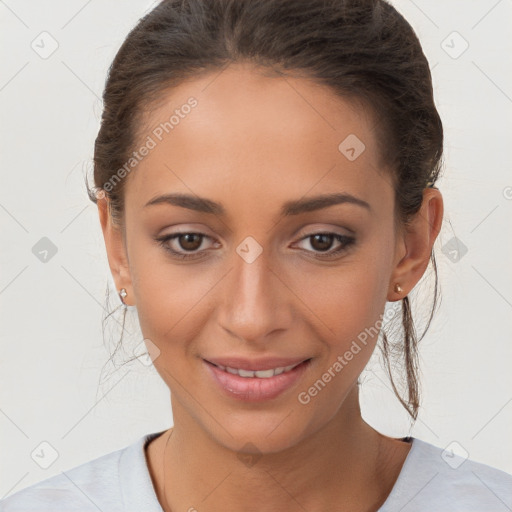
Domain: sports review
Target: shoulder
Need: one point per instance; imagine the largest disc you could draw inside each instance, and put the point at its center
(78, 488)
(104, 483)
(434, 478)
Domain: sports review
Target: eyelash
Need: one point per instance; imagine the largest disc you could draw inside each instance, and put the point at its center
(345, 240)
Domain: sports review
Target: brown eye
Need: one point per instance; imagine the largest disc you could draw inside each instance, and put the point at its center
(321, 244)
(190, 241)
(184, 245)
(322, 241)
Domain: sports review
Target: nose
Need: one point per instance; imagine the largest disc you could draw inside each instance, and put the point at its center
(256, 301)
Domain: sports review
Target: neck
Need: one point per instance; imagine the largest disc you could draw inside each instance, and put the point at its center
(348, 464)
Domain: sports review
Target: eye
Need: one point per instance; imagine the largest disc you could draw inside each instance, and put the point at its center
(186, 245)
(322, 242)
(189, 245)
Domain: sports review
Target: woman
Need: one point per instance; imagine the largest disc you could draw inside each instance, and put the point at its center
(264, 177)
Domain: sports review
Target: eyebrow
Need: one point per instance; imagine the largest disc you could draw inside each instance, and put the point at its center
(289, 208)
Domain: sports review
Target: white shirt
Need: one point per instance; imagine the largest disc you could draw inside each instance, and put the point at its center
(120, 481)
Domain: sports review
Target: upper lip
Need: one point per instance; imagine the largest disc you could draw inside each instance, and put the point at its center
(255, 364)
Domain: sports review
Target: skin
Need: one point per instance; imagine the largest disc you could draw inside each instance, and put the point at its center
(252, 143)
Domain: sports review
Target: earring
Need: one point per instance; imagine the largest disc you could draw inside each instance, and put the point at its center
(398, 288)
(122, 294)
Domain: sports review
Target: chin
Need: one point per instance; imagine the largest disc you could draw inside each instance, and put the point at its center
(259, 433)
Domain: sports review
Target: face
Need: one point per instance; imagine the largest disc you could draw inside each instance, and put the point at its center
(251, 271)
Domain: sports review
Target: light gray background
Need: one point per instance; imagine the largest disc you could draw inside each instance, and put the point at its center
(52, 347)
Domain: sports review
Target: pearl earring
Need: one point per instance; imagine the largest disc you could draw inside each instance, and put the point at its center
(123, 293)
(398, 288)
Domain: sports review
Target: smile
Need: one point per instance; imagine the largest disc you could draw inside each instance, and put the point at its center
(255, 384)
(260, 374)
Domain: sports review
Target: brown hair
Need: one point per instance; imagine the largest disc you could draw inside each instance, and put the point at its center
(362, 49)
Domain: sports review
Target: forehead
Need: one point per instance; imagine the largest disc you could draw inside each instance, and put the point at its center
(251, 134)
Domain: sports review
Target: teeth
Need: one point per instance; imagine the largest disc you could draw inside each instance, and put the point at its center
(245, 373)
(264, 374)
(261, 374)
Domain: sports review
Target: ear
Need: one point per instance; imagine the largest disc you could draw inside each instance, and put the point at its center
(116, 251)
(414, 245)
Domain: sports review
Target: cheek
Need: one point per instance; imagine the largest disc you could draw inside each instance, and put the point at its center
(348, 311)
(168, 294)
(171, 299)
(346, 305)
(346, 299)
(171, 307)
(353, 321)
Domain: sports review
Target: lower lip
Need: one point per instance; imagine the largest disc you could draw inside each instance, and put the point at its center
(254, 389)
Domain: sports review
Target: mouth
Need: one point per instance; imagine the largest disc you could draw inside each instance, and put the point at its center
(256, 381)
(260, 374)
